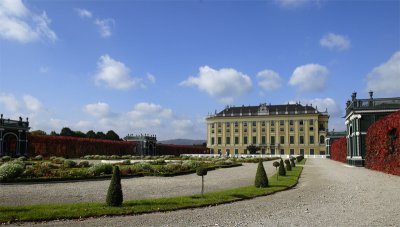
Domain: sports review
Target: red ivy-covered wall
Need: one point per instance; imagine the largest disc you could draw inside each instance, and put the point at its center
(339, 150)
(72, 147)
(170, 149)
(382, 152)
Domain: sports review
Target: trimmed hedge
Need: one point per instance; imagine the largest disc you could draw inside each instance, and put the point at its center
(339, 150)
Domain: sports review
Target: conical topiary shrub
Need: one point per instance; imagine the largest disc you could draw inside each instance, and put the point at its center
(261, 180)
(282, 171)
(292, 162)
(114, 194)
(288, 166)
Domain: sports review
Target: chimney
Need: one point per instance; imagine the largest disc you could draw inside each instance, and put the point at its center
(354, 96)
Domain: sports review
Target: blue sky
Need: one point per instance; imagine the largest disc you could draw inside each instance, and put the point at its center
(160, 67)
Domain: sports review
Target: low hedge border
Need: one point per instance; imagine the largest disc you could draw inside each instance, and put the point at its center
(9, 214)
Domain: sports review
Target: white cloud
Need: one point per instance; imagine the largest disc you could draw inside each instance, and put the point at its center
(335, 41)
(386, 77)
(32, 104)
(269, 80)
(151, 78)
(99, 109)
(322, 104)
(114, 74)
(183, 127)
(225, 84)
(292, 4)
(104, 26)
(310, 77)
(84, 13)
(18, 23)
(9, 102)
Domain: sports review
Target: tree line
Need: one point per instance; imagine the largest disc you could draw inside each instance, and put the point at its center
(110, 135)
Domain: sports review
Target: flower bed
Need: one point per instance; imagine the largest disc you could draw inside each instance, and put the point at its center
(339, 150)
(383, 145)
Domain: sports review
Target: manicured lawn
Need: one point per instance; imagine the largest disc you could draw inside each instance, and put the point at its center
(83, 210)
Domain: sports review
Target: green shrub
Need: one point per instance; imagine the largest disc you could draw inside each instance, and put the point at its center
(114, 157)
(69, 164)
(6, 158)
(126, 157)
(300, 158)
(58, 160)
(261, 180)
(114, 193)
(288, 166)
(200, 171)
(22, 158)
(38, 158)
(10, 170)
(101, 168)
(83, 164)
(144, 167)
(282, 171)
(292, 162)
(126, 162)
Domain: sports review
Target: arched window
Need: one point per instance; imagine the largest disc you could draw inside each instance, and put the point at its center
(321, 139)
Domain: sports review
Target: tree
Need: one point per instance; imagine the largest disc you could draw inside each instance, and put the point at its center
(253, 149)
(80, 134)
(261, 180)
(91, 134)
(67, 132)
(53, 133)
(100, 135)
(114, 194)
(282, 171)
(276, 165)
(288, 166)
(111, 135)
(201, 171)
(38, 133)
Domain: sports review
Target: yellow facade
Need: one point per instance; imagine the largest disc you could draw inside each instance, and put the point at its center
(290, 129)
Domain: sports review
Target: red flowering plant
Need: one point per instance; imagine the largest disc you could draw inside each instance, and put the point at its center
(339, 150)
(383, 145)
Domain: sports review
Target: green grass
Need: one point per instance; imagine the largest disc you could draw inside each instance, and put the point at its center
(84, 210)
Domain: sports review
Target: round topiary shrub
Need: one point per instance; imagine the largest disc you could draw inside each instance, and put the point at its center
(83, 164)
(292, 162)
(6, 158)
(261, 180)
(114, 193)
(282, 171)
(101, 168)
(22, 158)
(201, 171)
(69, 164)
(288, 166)
(38, 158)
(10, 170)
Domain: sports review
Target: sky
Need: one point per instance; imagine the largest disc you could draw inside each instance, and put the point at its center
(160, 67)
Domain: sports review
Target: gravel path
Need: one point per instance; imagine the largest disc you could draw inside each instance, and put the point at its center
(328, 194)
(133, 188)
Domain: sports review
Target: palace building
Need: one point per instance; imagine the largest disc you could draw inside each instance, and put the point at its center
(291, 129)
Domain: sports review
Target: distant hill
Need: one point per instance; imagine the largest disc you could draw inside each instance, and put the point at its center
(182, 142)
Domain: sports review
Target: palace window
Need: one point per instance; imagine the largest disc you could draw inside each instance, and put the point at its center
(228, 130)
(272, 129)
(212, 140)
(291, 151)
(272, 123)
(254, 129)
(262, 129)
(282, 129)
(301, 139)
(291, 122)
(254, 123)
(322, 139)
(236, 151)
(245, 140)
(236, 124)
(212, 131)
(272, 150)
(228, 140)
(244, 124)
(301, 151)
(219, 130)
(311, 139)
(219, 124)
(311, 151)
(311, 128)
(282, 139)
(228, 125)
(311, 122)
(281, 122)
(219, 140)
(291, 139)
(254, 139)
(301, 122)
(245, 129)
(212, 125)
(236, 130)
(272, 140)
(236, 140)
(263, 123)
(282, 151)
(301, 129)
(291, 129)
(262, 139)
